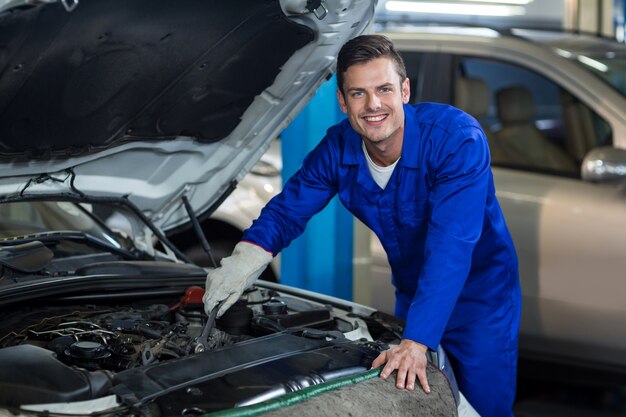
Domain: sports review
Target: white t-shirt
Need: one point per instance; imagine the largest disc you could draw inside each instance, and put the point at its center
(380, 174)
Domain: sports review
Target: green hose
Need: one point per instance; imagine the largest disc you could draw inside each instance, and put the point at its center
(295, 397)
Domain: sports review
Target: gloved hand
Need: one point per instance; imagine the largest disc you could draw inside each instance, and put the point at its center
(236, 273)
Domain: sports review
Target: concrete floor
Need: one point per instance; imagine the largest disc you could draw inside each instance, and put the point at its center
(546, 408)
(549, 390)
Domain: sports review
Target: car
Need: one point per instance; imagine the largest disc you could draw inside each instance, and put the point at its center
(224, 226)
(552, 105)
(561, 195)
(97, 321)
(119, 121)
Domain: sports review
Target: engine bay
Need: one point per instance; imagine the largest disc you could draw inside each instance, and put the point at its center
(67, 352)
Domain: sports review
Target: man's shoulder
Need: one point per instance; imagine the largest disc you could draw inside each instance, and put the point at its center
(340, 134)
(339, 139)
(339, 129)
(442, 116)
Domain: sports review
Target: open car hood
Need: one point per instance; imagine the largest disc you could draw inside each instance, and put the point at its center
(156, 99)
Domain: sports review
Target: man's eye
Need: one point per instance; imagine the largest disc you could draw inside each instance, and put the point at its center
(357, 94)
(385, 89)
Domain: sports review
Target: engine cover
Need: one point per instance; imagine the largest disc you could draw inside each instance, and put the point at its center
(33, 375)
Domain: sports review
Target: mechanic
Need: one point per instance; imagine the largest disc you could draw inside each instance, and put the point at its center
(419, 177)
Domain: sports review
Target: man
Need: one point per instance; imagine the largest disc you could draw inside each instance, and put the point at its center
(419, 177)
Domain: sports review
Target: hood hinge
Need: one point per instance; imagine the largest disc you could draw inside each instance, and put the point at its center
(317, 8)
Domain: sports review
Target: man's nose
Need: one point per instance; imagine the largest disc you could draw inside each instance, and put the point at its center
(373, 102)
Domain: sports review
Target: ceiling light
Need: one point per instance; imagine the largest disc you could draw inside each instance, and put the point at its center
(592, 63)
(563, 52)
(454, 8)
(521, 2)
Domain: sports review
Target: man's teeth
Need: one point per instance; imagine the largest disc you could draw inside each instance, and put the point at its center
(374, 118)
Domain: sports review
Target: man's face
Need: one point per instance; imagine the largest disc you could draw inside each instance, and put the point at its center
(373, 99)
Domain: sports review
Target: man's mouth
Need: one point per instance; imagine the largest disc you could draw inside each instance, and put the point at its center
(375, 118)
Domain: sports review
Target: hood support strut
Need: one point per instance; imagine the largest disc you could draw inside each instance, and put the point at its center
(198, 229)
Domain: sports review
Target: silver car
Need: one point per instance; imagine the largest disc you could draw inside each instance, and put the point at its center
(118, 120)
(553, 107)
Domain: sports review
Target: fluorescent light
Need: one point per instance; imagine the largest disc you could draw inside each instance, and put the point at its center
(597, 65)
(503, 1)
(563, 52)
(592, 63)
(451, 30)
(454, 8)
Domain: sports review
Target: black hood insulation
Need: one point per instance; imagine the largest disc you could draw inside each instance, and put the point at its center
(113, 71)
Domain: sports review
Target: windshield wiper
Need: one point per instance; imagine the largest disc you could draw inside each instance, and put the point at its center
(71, 235)
(28, 257)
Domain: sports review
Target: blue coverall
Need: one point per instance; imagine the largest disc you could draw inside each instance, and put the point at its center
(453, 262)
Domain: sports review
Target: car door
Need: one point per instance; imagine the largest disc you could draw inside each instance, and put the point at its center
(569, 233)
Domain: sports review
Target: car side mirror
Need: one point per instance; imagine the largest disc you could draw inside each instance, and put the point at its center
(604, 164)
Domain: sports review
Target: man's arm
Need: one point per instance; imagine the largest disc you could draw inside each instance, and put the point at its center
(306, 193)
(281, 220)
(457, 205)
(461, 177)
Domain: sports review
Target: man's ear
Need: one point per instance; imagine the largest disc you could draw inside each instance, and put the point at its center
(406, 90)
(342, 101)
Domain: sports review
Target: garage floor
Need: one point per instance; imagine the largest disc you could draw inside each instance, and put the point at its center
(548, 390)
(546, 408)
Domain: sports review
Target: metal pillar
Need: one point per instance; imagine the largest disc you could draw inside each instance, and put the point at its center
(618, 20)
(321, 259)
(591, 16)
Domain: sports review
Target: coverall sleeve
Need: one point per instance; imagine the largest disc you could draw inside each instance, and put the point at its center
(304, 194)
(460, 171)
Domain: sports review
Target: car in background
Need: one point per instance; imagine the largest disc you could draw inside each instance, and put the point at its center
(224, 227)
(119, 120)
(552, 105)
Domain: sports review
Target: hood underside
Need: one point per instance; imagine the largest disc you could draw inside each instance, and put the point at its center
(155, 99)
(116, 70)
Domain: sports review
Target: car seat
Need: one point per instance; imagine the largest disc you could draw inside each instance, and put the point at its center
(472, 96)
(580, 132)
(520, 140)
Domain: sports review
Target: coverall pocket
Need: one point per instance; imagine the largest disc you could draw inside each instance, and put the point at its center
(412, 213)
(412, 225)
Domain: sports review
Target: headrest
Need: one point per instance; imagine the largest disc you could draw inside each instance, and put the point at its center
(515, 105)
(472, 96)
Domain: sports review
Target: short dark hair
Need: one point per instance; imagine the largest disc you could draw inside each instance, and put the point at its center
(365, 48)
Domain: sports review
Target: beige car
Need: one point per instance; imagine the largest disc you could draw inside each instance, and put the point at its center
(553, 107)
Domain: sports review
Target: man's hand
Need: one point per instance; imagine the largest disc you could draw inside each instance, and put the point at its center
(238, 272)
(409, 358)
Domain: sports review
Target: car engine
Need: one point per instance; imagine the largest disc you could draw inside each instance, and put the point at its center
(122, 337)
(66, 352)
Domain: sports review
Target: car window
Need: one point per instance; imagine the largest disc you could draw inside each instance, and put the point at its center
(23, 218)
(531, 122)
(420, 68)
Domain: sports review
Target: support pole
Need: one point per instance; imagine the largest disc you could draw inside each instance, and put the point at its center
(592, 16)
(321, 259)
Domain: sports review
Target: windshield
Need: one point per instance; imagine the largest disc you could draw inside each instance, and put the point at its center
(111, 224)
(67, 235)
(25, 218)
(603, 57)
(609, 65)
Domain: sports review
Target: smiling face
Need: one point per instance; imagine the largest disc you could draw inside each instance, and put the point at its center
(373, 99)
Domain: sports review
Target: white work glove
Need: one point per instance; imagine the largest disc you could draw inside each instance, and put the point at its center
(238, 272)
